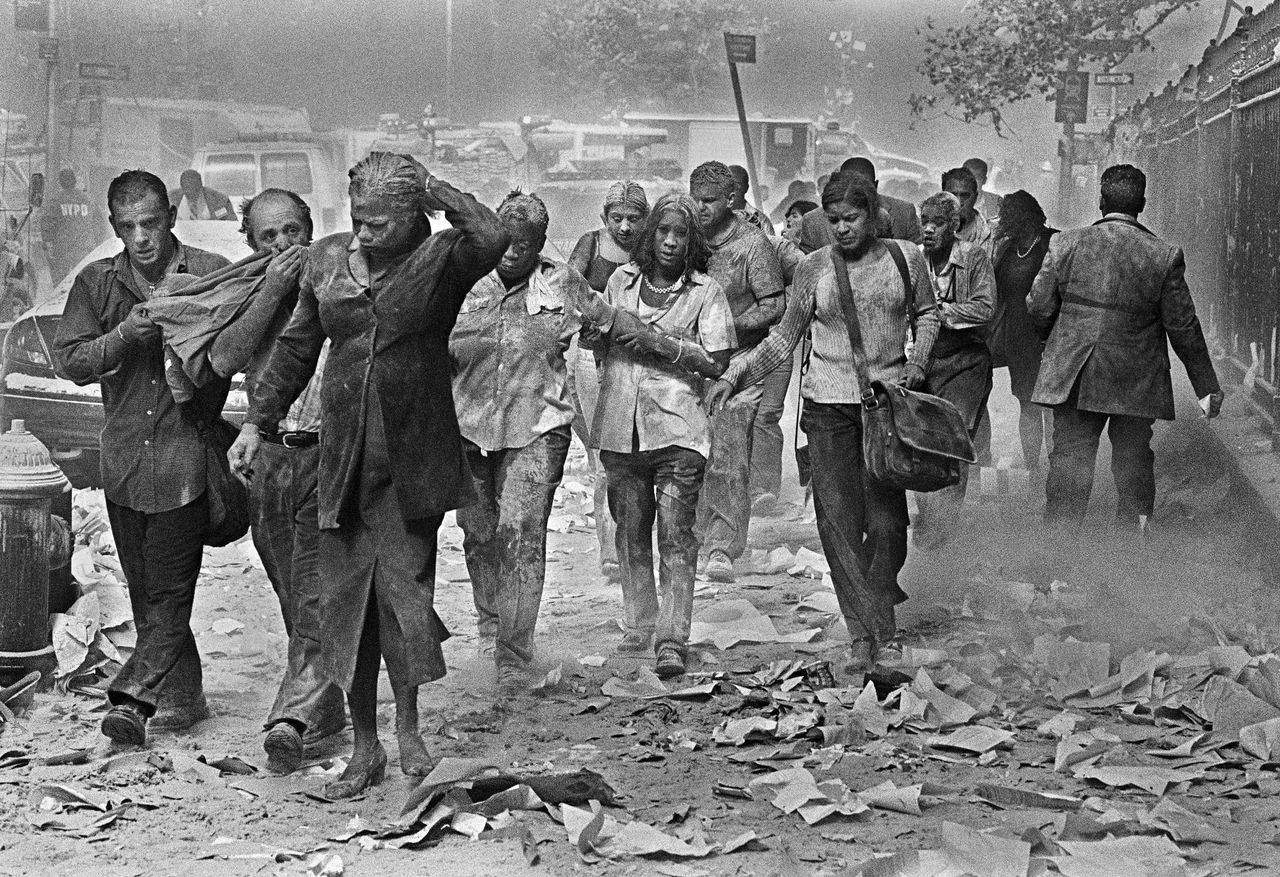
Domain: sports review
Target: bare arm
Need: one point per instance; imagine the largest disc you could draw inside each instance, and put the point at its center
(238, 342)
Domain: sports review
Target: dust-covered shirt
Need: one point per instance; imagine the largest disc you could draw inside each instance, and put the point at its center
(745, 264)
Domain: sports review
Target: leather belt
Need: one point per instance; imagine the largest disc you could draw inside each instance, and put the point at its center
(292, 440)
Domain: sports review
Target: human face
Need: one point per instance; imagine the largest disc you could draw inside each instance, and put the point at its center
(382, 226)
(145, 228)
(852, 226)
(714, 207)
(623, 224)
(671, 242)
(276, 223)
(937, 232)
(968, 196)
(795, 219)
(739, 195)
(521, 255)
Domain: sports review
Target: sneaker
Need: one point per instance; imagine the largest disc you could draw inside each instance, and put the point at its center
(636, 642)
(283, 745)
(719, 567)
(670, 662)
(125, 724)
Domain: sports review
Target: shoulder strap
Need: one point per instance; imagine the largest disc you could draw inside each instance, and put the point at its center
(900, 260)
(850, 308)
(595, 248)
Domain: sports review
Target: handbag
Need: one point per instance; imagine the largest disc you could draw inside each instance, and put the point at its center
(910, 440)
(228, 496)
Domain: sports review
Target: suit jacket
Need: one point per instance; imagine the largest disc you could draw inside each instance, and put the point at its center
(394, 333)
(1116, 297)
(897, 220)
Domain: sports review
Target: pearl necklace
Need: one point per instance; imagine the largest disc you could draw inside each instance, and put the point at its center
(1022, 255)
(663, 290)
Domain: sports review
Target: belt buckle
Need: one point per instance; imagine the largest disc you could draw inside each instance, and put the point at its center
(286, 439)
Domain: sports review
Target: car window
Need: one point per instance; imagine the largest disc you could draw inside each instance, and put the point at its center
(24, 344)
(231, 172)
(287, 170)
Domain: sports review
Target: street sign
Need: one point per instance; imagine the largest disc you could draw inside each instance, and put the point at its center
(106, 72)
(1072, 97)
(1107, 47)
(1113, 79)
(48, 49)
(1102, 112)
(30, 14)
(740, 47)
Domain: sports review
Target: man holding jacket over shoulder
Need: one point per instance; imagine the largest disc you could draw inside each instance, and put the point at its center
(1113, 293)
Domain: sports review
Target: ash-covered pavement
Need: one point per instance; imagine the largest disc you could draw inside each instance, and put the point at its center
(1108, 707)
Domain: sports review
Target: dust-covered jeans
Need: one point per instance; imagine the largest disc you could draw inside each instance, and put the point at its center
(285, 508)
(659, 485)
(160, 554)
(505, 538)
(766, 436)
(862, 523)
(1074, 454)
(724, 510)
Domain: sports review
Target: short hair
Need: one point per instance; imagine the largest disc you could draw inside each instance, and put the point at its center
(715, 175)
(803, 206)
(134, 186)
(67, 178)
(979, 168)
(859, 165)
(741, 176)
(400, 179)
(960, 175)
(627, 193)
(1124, 189)
(190, 178)
(853, 189)
(695, 258)
(246, 207)
(946, 202)
(527, 210)
(1023, 203)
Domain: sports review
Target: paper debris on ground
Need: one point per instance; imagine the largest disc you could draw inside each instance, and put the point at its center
(975, 738)
(887, 796)
(795, 790)
(809, 564)
(1262, 740)
(1151, 779)
(977, 852)
(1231, 706)
(1004, 797)
(825, 602)
(1118, 857)
(774, 562)
(598, 836)
(729, 622)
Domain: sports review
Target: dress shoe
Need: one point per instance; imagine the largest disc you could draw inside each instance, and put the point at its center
(125, 724)
(354, 781)
(181, 716)
(670, 663)
(284, 748)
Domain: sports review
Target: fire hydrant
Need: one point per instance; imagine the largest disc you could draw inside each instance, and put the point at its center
(32, 542)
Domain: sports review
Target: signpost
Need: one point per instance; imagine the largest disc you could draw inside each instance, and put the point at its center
(1115, 80)
(104, 72)
(741, 49)
(1071, 105)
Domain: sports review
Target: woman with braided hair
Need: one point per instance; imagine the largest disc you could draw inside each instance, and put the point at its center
(386, 296)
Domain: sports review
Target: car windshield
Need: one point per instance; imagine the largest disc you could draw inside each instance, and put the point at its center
(287, 170)
(233, 173)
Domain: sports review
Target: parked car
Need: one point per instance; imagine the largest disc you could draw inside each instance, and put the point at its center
(66, 417)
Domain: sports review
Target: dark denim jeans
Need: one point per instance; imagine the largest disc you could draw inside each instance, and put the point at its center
(1074, 454)
(766, 436)
(160, 554)
(659, 485)
(284, 502)
(724, 509)
(505, 538)
(862, 524)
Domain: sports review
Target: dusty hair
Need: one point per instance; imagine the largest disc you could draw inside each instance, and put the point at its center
(527, 210)
(695, 257)
(400, 179)
(714, 175)
(946, 202)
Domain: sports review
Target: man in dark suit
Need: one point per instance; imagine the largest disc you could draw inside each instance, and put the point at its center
(1115, 297)
(897, 218)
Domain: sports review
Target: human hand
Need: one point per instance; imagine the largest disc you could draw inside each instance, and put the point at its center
(138, 326)
(282, 273)
(718, 395)
(912, 376)
(244, 450)
(627, 323)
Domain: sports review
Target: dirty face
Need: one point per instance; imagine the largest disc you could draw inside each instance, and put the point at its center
(623, 224)
(522, 252)
(937, 232)
(384, 227)
(277, 223)
(671, 242)
(145, 226)
(967, 195)
(852, 226)
(714, 206)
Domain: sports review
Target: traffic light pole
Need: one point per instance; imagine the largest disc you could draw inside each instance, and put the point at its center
(1066, 175)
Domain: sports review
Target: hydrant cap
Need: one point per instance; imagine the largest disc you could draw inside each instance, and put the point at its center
(25, 465)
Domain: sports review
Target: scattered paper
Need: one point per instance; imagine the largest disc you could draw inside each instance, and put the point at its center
(729, 622)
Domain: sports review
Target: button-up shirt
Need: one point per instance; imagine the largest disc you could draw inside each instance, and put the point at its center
(646, 403)
(965, 288)
(814, 306)
(510, 384)
(152, 457)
